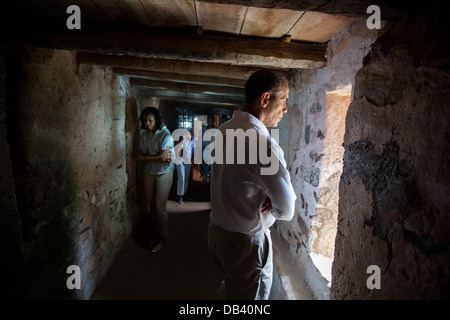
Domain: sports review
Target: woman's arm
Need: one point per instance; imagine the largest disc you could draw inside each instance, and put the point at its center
(162, 157)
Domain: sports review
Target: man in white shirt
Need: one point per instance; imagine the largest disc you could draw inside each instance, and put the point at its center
(248, 196)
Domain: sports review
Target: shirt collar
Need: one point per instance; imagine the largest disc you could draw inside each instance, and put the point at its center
(243, 115)
(157, 131)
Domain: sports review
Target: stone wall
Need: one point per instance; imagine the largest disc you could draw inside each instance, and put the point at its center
(395, 187)
(66, 133)
(312, 134)
(134, 192)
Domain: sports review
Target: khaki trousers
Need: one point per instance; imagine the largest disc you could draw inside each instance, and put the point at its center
(242, 263)
(157, 188)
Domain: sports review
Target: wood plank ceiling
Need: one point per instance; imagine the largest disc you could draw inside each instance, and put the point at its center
(204, 46)
(225, 18)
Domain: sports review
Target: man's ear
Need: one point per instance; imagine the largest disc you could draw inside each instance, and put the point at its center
(265, 99)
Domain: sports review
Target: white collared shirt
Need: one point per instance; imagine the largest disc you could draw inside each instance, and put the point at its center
(239, 190)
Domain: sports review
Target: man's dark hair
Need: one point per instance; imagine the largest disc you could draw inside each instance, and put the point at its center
(155, 112)
(264, 80)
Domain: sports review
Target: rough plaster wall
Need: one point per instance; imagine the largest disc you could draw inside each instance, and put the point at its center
(71, 136)
(134, 191)
(312, 136)
(394, 192)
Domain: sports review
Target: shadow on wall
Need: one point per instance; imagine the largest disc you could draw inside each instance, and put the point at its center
(54, 231)
(134, 193)
(65, 131)
(45, 192)
(50, 236)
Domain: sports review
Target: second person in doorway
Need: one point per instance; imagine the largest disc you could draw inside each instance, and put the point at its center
(155, 151)
(184, 166)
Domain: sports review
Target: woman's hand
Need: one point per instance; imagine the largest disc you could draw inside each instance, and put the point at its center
(164, 156)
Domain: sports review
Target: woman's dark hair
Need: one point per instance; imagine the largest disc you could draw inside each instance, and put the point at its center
(155, 112)
(264, 80)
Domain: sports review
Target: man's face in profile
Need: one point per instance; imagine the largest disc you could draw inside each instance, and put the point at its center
(276, 107)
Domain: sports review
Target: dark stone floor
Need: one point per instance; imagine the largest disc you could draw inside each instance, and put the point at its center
(181, 271)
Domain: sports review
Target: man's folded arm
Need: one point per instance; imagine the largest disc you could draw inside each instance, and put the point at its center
(279, 189)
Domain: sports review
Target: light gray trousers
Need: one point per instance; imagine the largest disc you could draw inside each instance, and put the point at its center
(183, 172)
(242, 264)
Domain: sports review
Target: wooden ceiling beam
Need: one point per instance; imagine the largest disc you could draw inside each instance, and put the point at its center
(187, 87)
(189, 97)
(177, 77)
(204, 102)
(166, 65)
(179, 45)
